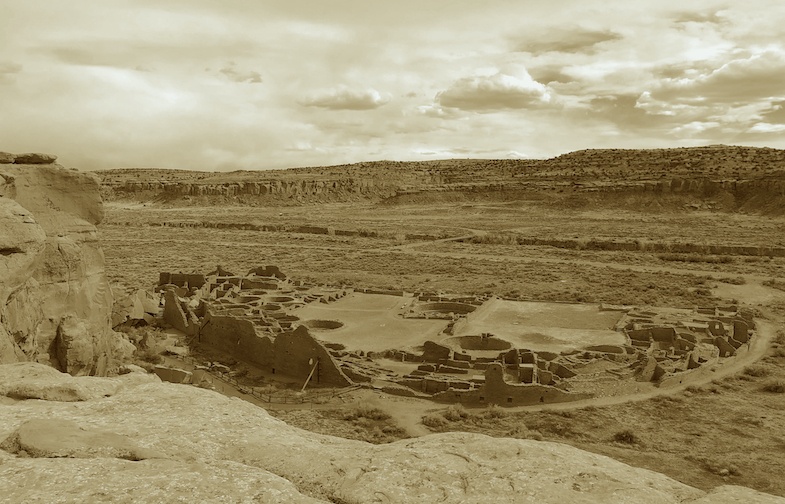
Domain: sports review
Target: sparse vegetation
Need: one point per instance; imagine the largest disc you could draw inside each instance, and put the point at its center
(775, 386)
(366, 412)
(434, 421)
(626, 436)
(757, 370)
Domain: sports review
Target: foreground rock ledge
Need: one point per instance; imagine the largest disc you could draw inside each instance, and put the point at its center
(218, 449)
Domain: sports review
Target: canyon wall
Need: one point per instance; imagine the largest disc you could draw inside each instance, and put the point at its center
(55, 300)
(745, 177)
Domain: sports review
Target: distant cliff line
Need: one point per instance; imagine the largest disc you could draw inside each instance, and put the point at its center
(740, 172)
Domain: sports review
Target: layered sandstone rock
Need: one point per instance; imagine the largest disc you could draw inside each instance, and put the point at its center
(55, 301)
(204, 447)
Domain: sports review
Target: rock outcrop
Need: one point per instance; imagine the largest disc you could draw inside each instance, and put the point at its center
(200, 446)
(29, 158)
(55, 300)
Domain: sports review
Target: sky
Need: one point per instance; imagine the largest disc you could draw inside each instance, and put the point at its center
(259, 84)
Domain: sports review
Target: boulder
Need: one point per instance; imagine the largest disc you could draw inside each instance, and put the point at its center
(173, 375)
(49, 438)
(75, 349)
(34, 158)
(30, 380)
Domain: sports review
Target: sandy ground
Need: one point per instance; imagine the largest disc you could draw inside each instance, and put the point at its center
(552, 327)
(371, 322)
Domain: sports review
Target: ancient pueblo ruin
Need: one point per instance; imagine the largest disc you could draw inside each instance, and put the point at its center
(475, 350)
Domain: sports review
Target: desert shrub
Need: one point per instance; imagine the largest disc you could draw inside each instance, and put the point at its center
(774, 386)
(455, 413)
(366, 412)
(774, 283)
(493, 412)
(756, 370)
(626, 436)
(394, 430)
(434, 421)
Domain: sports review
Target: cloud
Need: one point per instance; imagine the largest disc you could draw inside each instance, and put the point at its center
(438, 112)
(563, 40)
(514, 90)
(343, 98)
(551, 73)
(233, 74)
(763, 127)
(756, 76)
(776, 113)
(694, 128)
(8, 67)
(7, 70)
(711, 17)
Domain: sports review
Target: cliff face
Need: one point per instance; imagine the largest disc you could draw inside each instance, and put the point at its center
(55, 301)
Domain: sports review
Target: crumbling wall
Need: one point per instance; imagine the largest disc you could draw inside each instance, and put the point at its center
(497, 391)
(178, 315)
(296, 352)
(238, 337)
(290, 354)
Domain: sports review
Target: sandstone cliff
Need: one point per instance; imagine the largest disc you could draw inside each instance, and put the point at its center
(55, 301)
(747, 178)
(158, 442)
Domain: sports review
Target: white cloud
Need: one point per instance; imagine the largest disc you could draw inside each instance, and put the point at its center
(694, 128)
(344, 98)
(762, 127)
(514, 90)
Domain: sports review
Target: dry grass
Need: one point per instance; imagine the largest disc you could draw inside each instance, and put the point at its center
(776, 386)
(363, 423)
(626, 436)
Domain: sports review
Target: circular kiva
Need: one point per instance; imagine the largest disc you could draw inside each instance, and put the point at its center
(280, 299)
(323, 324)
(478, 343)
(443, 307)
(248, 299)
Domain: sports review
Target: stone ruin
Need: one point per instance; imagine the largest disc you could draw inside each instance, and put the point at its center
(245, 316)
(253, 317)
